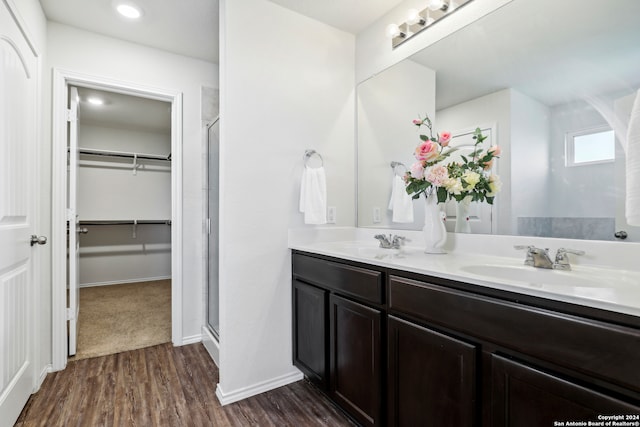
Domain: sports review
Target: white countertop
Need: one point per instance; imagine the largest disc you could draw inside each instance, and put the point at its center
(589, 284)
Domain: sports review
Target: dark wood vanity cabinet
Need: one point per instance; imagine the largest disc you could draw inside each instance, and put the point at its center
(310, 331)
(525, 396)
(337, 333)
(432, 378)
(402, 349)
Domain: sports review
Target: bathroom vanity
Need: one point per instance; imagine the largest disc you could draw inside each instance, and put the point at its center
(397, 347)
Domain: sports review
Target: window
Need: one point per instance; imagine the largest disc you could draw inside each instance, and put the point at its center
(590, 147)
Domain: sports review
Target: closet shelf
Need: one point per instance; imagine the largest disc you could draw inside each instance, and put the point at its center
(125, 154)
(125, 222)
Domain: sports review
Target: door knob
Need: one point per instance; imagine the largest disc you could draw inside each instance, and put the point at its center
(83, 230)
(40, 240)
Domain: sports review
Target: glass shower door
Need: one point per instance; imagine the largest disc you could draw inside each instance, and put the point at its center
(213, 150)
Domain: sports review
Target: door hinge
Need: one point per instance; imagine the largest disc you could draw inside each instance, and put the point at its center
(72, 115)
(208, 225)
(70, 315)
(71, 215)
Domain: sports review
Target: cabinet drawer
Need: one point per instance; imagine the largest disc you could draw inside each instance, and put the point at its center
(346, 279)
(605, 351)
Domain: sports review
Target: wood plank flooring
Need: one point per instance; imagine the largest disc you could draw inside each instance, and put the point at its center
(165, 386)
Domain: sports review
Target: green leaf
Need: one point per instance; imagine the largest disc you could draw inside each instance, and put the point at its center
(424, 137)
(490, 200)
(442, 194)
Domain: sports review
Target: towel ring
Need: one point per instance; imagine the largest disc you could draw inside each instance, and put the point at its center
(310, 153)
(395, 164)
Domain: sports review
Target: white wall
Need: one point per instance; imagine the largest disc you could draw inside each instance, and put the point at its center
(387, 103)
(92, 54)
(287, 84)
(373, 48)
(108, 190)
(580, 191)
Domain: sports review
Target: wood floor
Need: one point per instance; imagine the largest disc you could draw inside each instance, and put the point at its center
(165, 386)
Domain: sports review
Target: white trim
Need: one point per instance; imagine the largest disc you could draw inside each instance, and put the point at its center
(122, 282)
(192, 339)
(212, 345)
(46, 369)
(15, 14)
(261, 387)
(61, 80)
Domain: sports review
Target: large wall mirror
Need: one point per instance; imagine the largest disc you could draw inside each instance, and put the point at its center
(551, 82)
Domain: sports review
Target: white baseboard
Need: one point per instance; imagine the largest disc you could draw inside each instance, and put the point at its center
(243, 393)
(121, 282)
(191, 340)
(212, 345)
(43, 374)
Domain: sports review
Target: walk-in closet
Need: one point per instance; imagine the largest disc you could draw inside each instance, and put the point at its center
(119, 199)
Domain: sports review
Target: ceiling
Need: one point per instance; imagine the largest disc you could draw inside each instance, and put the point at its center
(166, 24)
(125, 111)
(351, 16)
(193, 31)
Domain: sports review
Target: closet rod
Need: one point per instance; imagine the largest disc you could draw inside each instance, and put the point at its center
(96, 152)
(126, 222)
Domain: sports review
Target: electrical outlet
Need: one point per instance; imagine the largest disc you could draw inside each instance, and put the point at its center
(331, 215)
(376, 215)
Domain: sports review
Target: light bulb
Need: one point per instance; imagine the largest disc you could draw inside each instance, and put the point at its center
(413, 16)
(393, 31)
(435, 4)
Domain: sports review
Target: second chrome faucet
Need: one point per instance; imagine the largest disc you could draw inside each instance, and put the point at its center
(539, 258)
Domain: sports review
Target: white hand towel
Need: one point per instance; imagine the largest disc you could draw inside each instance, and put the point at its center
(313, 195)
(400, 203)
(632, 202)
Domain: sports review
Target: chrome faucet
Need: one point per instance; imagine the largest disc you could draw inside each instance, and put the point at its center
(539, 258)
(562, 258)
(391, 241)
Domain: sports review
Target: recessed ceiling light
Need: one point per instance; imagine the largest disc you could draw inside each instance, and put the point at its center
(129, 10)
(95, 100)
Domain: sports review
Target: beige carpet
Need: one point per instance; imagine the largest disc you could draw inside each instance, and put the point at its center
(118, 318)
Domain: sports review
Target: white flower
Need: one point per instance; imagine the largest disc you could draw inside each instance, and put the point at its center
(454, 186)
(471, 178)
(494, 185)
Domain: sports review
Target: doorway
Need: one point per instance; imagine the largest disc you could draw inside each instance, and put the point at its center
(63, 80)
(119, 201)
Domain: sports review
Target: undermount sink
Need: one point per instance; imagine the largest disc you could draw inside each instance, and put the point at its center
(535, 276)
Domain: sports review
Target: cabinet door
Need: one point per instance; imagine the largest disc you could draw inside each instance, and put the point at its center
(431, 377)
(524, 396)
(355, 359)
(310, 332)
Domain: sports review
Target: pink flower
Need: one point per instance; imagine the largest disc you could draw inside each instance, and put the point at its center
(438, 175)
(487, 165)
(495, 150)
(444, 138)
(417, 170)
(417, 122)
(427, 151)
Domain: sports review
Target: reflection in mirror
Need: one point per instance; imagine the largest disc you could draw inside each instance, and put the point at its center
(536, 73)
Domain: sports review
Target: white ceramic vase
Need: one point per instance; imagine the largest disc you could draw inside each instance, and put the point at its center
(462, 216)
(435, 233)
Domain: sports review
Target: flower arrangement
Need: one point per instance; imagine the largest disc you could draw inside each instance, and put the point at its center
(472, 178)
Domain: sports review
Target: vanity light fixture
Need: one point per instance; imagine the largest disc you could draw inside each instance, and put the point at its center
(128, 10)
(419, 20)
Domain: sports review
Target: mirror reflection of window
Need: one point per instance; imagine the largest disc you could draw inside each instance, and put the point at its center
(590, 147)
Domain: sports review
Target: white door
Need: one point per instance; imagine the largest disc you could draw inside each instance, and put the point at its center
(18, 74)
(72, 217)
(480, 214)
